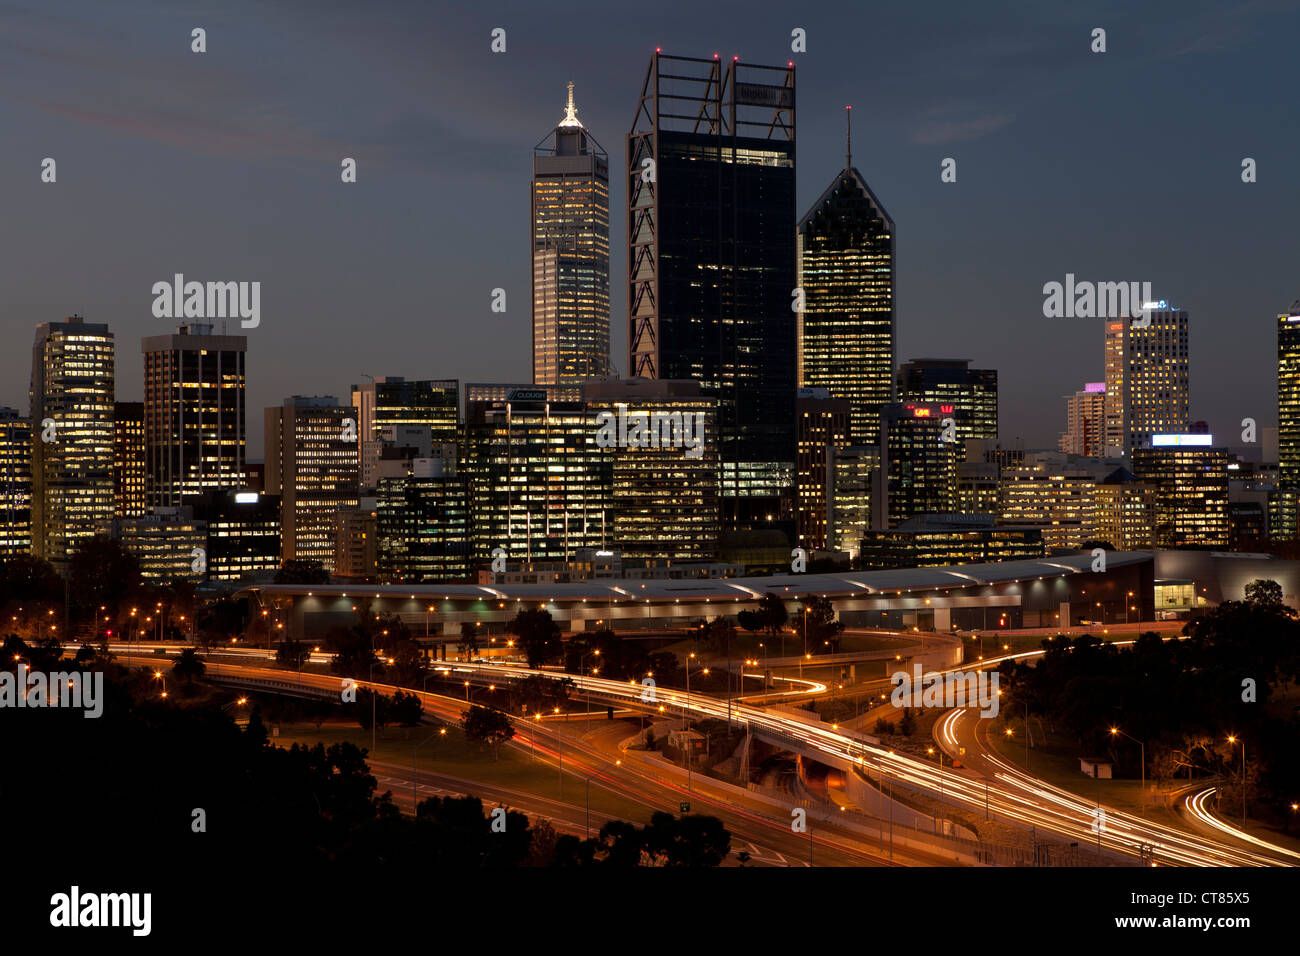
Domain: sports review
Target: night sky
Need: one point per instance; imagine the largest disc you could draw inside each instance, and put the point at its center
(225, 166)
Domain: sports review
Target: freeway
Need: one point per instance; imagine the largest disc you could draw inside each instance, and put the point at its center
(765, 830)
(1008, 792)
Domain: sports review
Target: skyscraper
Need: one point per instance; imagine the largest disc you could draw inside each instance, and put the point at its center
(128, 460)
(1085, 422)
(822, 428)
(1288, 421)
(920, 467)
(969, 396)
(15, 482)
(539, 484)
(311, 463)
(194, 424)
(711, 261)
(570, 246)
(393, 401)
(1146, 378)
(846, 272)
(1190, 477)
(664, 497)
(72, 435)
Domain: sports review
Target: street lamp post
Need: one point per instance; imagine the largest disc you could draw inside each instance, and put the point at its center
(415, 802)
(1233, 740)
(1143, 801)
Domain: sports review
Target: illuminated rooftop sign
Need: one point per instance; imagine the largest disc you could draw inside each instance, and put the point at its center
(1168, 441)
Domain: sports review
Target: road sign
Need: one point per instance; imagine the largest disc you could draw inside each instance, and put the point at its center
(684, 807)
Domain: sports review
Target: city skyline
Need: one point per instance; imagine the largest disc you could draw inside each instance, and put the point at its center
(901, 140)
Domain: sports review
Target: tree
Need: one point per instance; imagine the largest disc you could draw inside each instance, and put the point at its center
(469, 638)
(302, 572)
(772, 610)
(292, 653)
(486, 726)
(1262, 593)
(189, 665)
(406, 709)
(544, 693)
(538, 635)
(823, 627)
(751, 621)
(102, 572)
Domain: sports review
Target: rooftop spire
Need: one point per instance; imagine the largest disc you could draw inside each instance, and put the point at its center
(571, 111)
(848, 137)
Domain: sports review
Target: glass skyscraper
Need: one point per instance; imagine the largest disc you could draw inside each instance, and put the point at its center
(1288, 420)
(570, 232)
(711, 262)
(194, 424)
(72, 435)
(846, 273)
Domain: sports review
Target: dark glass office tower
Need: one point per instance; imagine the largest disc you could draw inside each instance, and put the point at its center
(194, 424)
(846, 272)
(570, 216)
(711, 262)
(968, 395)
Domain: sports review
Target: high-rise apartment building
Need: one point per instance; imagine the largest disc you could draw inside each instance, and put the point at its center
(311, 463)
(1085, 422)
(15, 483)
(846, 274)
(128, 460)
(968, 396)
(393, 401)
(1146, 378)
(72, 435)
(194, 422)
(711, 262)
(570, 244)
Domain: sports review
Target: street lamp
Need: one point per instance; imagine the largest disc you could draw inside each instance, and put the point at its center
(442, 732)
(1232, 740)
(1143, 800)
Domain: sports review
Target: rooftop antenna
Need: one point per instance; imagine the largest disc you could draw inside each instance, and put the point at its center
(571, 111)
(848, 137)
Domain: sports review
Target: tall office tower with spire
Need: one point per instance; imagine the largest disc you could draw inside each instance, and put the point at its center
(1146, 378)
(72, 435)
(711, 263)
(194, 422)
(846, 273)
(570, 255)
(1287, 523)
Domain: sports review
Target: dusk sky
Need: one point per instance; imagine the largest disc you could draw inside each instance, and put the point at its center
(1121, 166)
